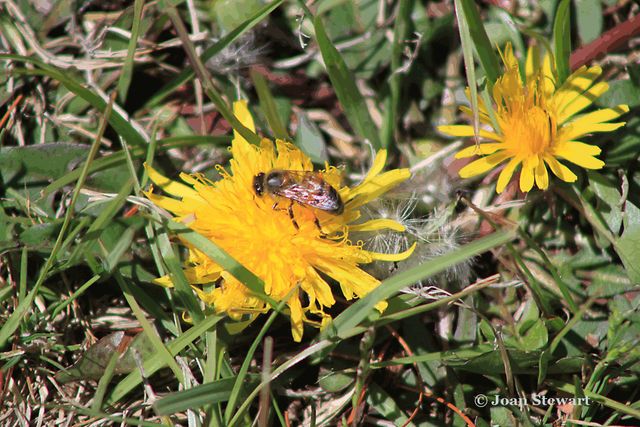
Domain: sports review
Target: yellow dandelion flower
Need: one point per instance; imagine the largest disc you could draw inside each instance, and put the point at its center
(537, 124)
(281, 250)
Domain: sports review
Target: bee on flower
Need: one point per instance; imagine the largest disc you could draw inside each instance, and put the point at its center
(537, 123)
(284, 222)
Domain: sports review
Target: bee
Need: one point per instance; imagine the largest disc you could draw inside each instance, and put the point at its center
(305, 187)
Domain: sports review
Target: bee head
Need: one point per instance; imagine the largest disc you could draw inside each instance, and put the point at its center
(258, 184)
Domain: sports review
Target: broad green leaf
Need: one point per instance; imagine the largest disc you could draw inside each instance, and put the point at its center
(530, 315)
(589, 19)
(42, 162)
(9, 327)
(40, 236)
(607, 205)
(628, 246)
(620, 92)
(93, 362)
(536, 337)
(230, 14)
(309, 139)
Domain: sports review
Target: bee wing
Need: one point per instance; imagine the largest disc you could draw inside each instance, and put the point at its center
(312, 191)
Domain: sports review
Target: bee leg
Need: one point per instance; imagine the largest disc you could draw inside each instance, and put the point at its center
(274, 206)
(319, 227)
(295, 224)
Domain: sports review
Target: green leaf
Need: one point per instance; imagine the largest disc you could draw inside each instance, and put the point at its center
(530, 315)
(156, 362)
(269, 106)
(484, 48)
(511, 29)
(127, 68)
(336, 376)
(535, 338)
(628, 246)
(40, 236)
(92, 364)
(351, 100)
(402, 24)
(123, 245)
(562, 42)
(620, 92)
(229, 14)
(309, 139)
(589, 19)
(202, 395)
(607, 206)
(41, 162)
(385, 405)
(492, 362)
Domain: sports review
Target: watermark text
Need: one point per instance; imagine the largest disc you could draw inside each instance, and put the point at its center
(536, 400)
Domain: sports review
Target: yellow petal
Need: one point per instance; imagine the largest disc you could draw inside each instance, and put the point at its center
(582, 102)
(163, 281)
(466, 130)
(593, 122)
(527, 178)
(507, 173)
(533, 62)
(484, 164)
(580, 158)
(479, 150)
(241, 111)
(575, 85)
(393, 257)
(374, 187)
(172, 205)
(378, 164)
(560, 170)
(542, 178)
(549, 79)
(581, 147)
(377, 224)
(484, 117)
(172, 187)
(381, 306)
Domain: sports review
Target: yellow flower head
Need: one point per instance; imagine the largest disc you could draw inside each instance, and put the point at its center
(281, 250)
(536, 125)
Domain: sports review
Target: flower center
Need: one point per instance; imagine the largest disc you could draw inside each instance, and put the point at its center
(528, 128)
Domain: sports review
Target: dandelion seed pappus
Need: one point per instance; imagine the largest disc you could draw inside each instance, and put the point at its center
(308, 188)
